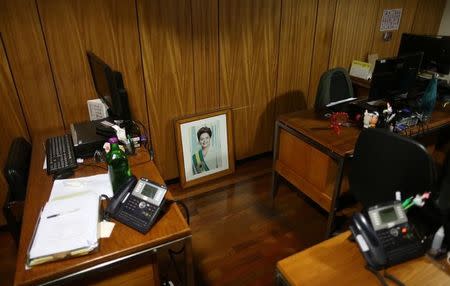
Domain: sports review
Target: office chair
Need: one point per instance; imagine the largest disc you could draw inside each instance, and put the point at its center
(16, 173)
(384, 162)
(334, 85)
(443, 200)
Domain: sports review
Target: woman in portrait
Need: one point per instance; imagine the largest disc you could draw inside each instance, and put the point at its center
(207, 158)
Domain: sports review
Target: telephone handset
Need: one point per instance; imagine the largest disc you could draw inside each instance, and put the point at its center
(387, 239)
(138, 203)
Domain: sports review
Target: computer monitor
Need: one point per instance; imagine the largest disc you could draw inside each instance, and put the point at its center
(109, 87)
(394, 78)
(436, 51)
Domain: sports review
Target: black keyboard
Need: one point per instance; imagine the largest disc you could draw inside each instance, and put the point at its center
(60, 154)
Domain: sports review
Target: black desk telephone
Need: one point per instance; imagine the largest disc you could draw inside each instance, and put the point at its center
(138, 203)
(389, 239)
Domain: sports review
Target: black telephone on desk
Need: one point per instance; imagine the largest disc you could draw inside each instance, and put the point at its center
(388, 238)
(138, 203)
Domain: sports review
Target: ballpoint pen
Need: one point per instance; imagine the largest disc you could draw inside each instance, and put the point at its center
(63, 213)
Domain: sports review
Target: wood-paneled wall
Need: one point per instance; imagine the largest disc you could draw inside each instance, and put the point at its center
(107, 28)
(181, 57)
(248, 42)
(20, 27)
(298, 25)
(11, 116)
(166, 37)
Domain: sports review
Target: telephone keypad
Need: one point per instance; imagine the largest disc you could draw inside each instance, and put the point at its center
(137, 213)
(399, 243)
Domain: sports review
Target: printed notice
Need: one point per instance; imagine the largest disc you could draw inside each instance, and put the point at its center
(390, 20)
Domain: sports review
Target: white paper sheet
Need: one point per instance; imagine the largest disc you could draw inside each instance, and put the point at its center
(98, 184)
(67, 225)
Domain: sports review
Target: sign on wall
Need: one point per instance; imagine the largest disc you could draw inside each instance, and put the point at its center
(390, 20)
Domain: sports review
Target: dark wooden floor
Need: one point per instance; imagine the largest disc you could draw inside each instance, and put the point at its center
(7, 259)
(237, 236)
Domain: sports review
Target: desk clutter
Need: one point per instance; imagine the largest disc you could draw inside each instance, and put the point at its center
(397, 117)
(87, 139)
(70, 222)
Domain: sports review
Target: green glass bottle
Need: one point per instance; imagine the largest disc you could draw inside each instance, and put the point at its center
(118, 168)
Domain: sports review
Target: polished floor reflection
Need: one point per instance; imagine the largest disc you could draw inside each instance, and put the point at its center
(238, 237)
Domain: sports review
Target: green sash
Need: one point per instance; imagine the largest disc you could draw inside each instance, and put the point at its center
(199, 162)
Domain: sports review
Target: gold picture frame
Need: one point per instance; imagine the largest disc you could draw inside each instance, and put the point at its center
(205, 147)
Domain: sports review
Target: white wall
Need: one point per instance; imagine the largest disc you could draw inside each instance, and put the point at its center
(444, 29)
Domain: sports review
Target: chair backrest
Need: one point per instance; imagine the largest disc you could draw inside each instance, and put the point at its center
(334, 85)
(444, 186)
(17, 167)
(384, 162)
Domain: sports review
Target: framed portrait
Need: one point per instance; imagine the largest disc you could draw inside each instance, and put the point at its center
(204, 147)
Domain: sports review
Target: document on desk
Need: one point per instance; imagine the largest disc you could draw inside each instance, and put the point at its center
(99, 184)
(66, 227)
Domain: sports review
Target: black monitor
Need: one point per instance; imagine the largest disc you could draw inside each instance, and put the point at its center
(394, 78)
(436, 51)
(109, 87)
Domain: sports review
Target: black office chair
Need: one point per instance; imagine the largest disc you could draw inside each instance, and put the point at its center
(334, 85)
(16, 174)
(384, 162)
(443, 199)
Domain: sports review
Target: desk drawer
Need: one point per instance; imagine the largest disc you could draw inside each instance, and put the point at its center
(310, 170)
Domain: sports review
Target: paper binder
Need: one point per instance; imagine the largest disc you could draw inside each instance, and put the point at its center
(65, 228)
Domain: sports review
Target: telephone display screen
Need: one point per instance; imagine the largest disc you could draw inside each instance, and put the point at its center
(149, 191)
(387, 215)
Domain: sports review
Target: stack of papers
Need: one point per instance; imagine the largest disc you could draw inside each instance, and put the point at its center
(68, 223)
(66, 227)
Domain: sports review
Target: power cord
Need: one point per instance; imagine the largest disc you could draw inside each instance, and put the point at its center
(385, 275)
(93, 165)
(105, 215)
(184, 207)
(149, 144)
(173, 253)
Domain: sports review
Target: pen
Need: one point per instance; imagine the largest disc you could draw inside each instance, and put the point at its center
(63, 213)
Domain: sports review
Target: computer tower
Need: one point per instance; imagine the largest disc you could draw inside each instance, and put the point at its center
(86, 139)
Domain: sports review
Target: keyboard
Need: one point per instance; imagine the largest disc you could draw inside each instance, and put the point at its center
(60, 154)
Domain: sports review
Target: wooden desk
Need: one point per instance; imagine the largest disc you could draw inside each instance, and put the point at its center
(124, 245)
(337, 261)
(309, 155)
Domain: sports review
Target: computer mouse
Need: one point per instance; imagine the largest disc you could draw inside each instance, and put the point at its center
(63, 175)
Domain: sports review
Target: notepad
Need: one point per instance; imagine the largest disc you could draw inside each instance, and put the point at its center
(67, 227)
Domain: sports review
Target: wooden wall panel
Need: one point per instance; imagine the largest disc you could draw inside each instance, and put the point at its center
(390, 48)
(322, 45)
(166, 36)
(353, 31)
(205, 45)
(295, 56)
(428, 17)
(11, 115)
(107, 28)
(26, 51)
(248, 39)
(181, 57)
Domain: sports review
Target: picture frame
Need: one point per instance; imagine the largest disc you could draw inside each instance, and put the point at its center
(205, 147)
